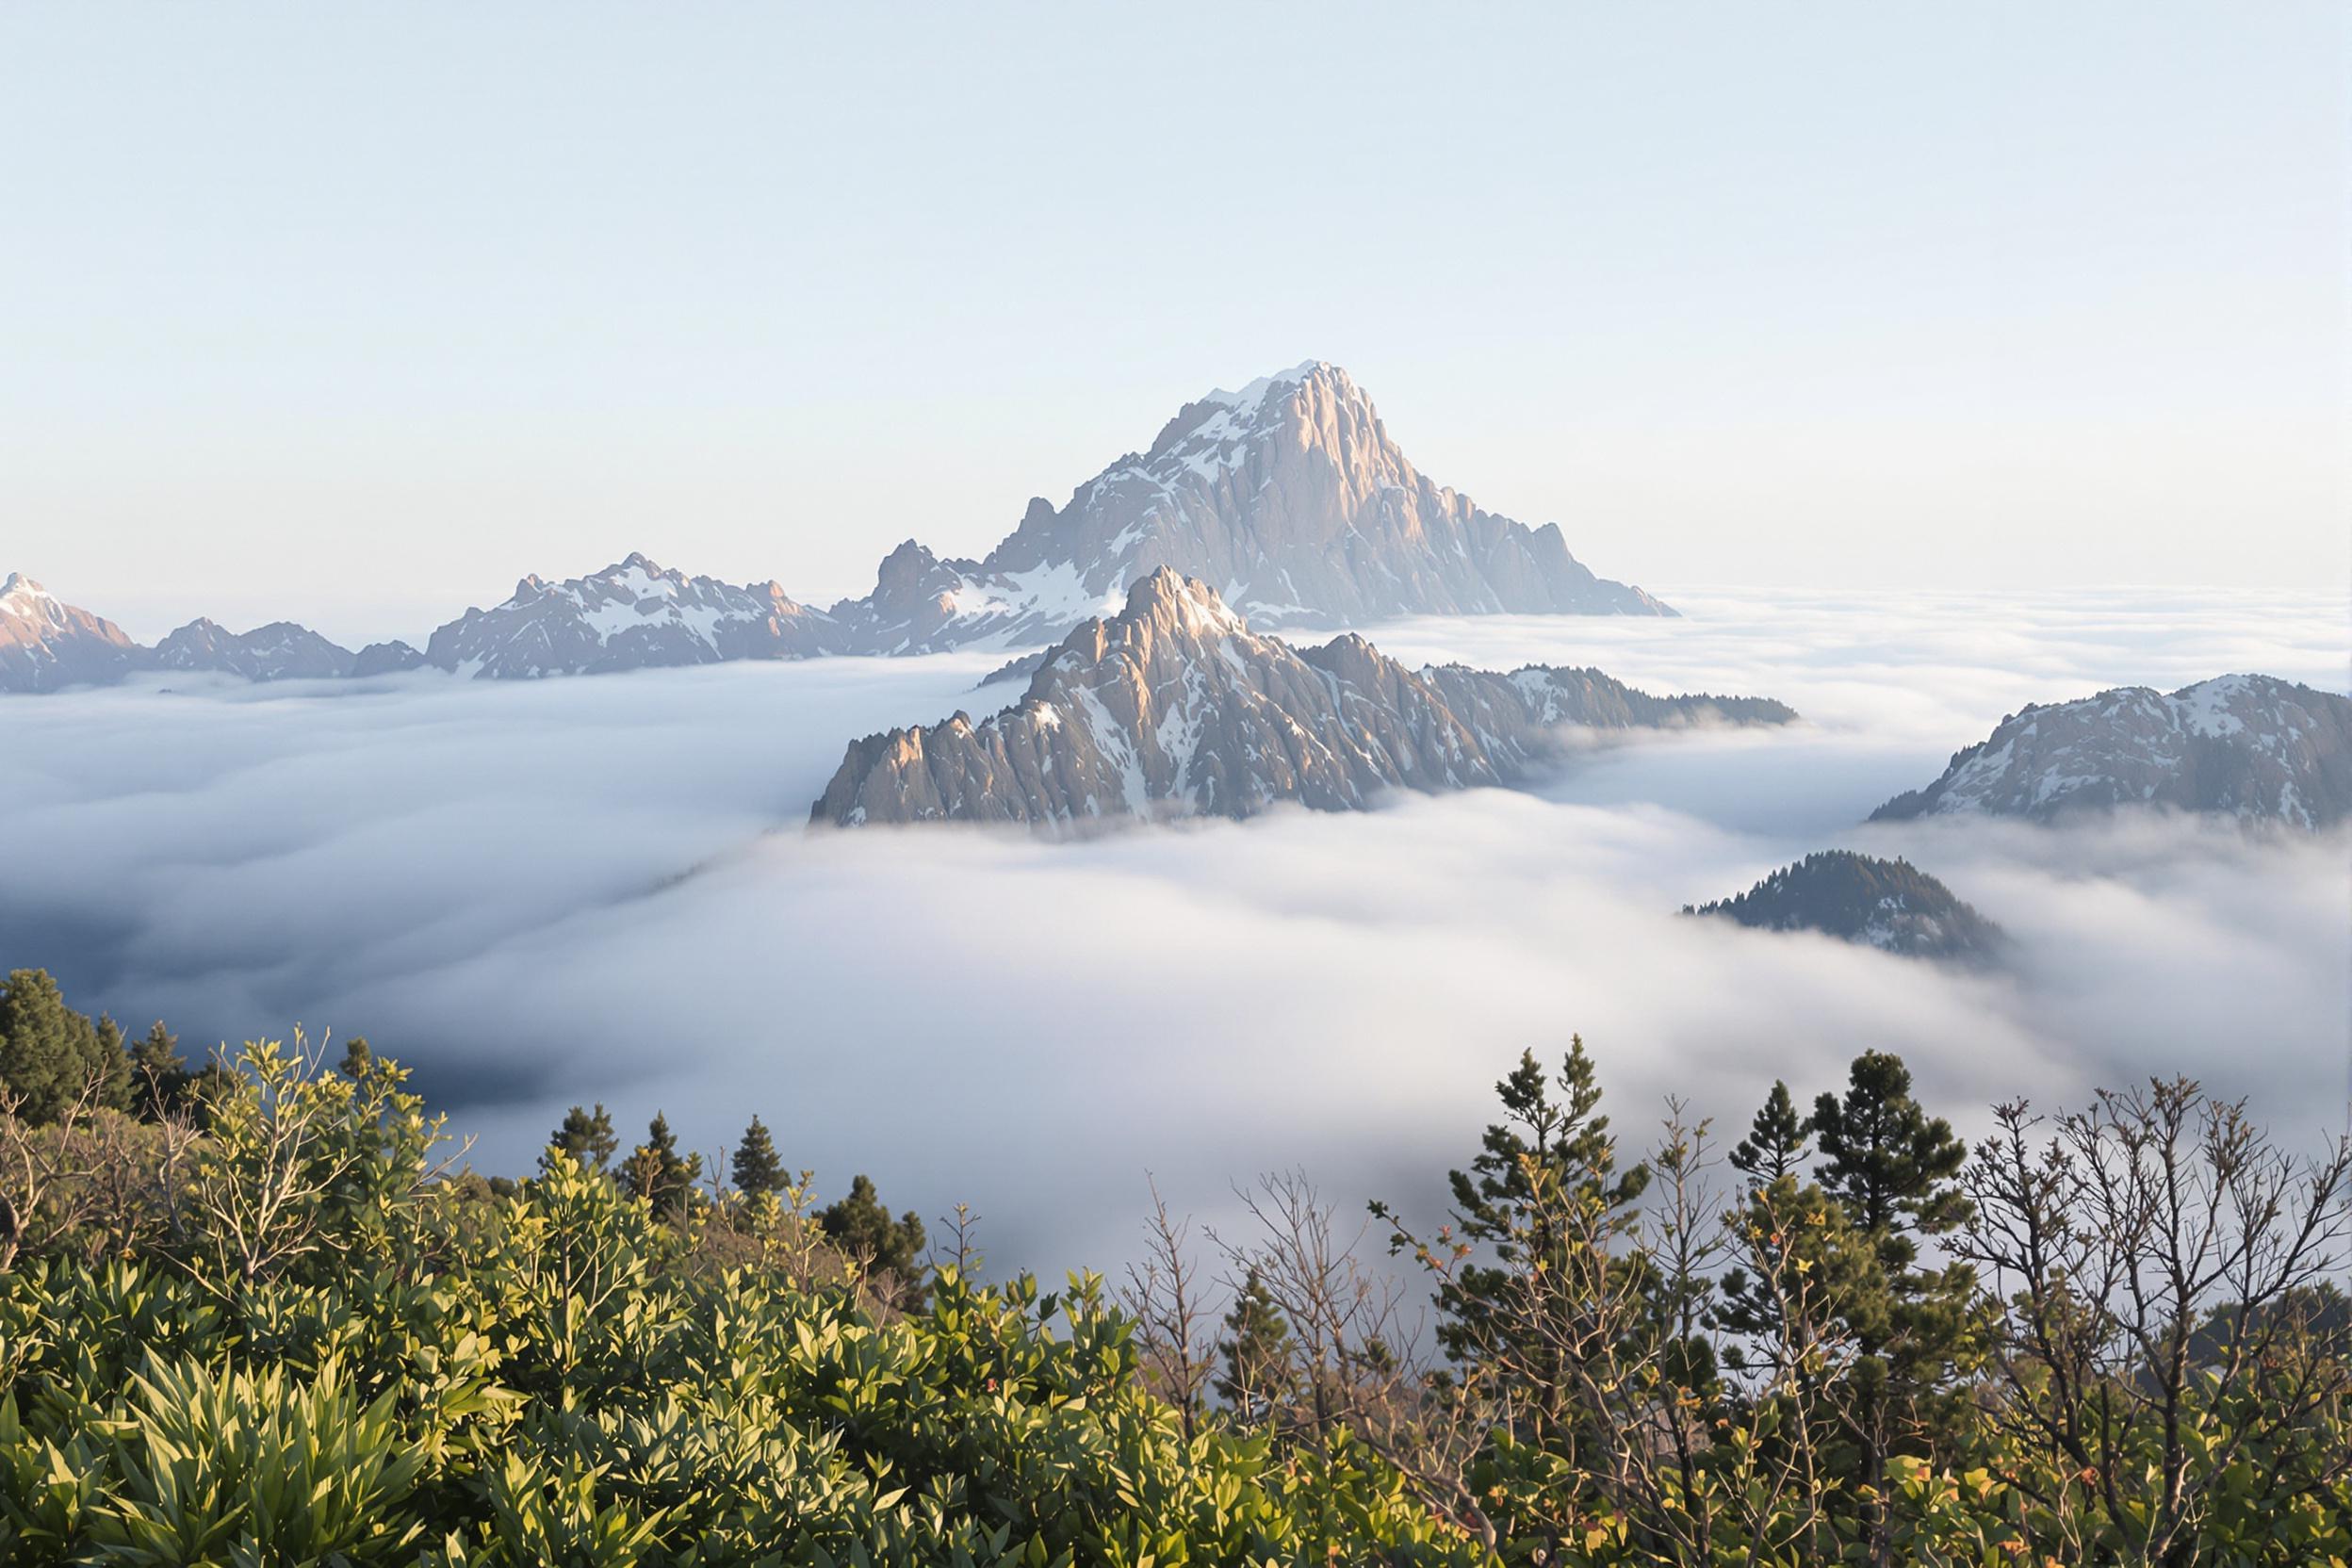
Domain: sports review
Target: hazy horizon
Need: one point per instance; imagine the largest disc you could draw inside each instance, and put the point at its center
(355, 319)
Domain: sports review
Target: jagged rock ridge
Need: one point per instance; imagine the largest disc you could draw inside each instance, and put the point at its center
(1288, 495)
(279, 651)
(631, 615)
(1889, 904)
(1175, 707)
(2245, 745)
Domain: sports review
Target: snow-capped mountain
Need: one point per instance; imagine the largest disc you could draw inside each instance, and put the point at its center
(46, 642)
(280, 651)
(1288, 496)
(2246, 745)
(630, 615)
(386, 658)
(1889, 904)
(1176, 707)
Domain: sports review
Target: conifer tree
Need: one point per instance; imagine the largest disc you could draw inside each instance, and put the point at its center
(1893, 1167)
(159, 1076)
(863, 1228)
(53, 1057)
(1258, 1367)
(587, 1136)
(1775, 1144)
(656, 1172)
(754, 1166)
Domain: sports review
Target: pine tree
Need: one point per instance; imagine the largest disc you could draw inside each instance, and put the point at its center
(1545, 1202)
(1260, 1371)
(1775, 1146)
(159, 1077)
(1892, 1168)
(655, 1171)
(756, 1167)
(53, 1057)
(1883, 1156)
(892, 1251)
(587, 1137)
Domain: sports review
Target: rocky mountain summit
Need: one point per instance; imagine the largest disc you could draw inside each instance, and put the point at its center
(1288, 495)
(46, 642)
(2245, 745)
(1889, 904)
(1175, 707)
(634, 614)
(280, 651)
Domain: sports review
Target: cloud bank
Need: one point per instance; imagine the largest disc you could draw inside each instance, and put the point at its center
(599, 890)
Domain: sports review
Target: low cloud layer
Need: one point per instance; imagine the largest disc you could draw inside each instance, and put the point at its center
(599, 890)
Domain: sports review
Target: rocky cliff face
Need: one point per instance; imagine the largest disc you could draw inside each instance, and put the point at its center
(45, 643)
(280, 651)
(1288, 496)
(1175, 707)
(2244, 745)
(631, 615)
(1889, 904)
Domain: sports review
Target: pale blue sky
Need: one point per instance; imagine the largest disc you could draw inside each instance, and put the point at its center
(355, 314)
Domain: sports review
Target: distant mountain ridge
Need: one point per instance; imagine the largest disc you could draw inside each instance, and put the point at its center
(2244, 745)
(1889, 904)
(1289, 496)
(1176, 707)
(46, 643)
(634, 614)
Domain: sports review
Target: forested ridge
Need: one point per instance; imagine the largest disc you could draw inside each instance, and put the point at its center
(257, 1310)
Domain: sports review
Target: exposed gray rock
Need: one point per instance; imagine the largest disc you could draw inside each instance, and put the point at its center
(1289, 496)
(280, 651)
(630, 615)
(1175, 707)
(2245, 745)
(387, 659)
(1019, 667)
(1889, 904)
(45, 643)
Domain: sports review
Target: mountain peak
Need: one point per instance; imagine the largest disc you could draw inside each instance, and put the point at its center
(2251, 746)
(1253, 393)
(1166, 598)
(1889, 904)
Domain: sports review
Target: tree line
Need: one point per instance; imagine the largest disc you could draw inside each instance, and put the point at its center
(270, 1317)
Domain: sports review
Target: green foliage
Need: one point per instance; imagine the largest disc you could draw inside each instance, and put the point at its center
(1258, 1368)
(1775, 1144)
(297, 1337)
(53, 1058)
(587, 1136)
(889, 1249)
(656, 1172)
(755, 1168)
(369, 1371)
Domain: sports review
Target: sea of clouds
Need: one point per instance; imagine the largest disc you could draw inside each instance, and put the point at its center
(602, 890)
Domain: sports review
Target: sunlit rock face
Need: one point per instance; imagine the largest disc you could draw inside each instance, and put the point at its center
(1287, 496)
(46, 643)
(1176, 707)
(2244, 745)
